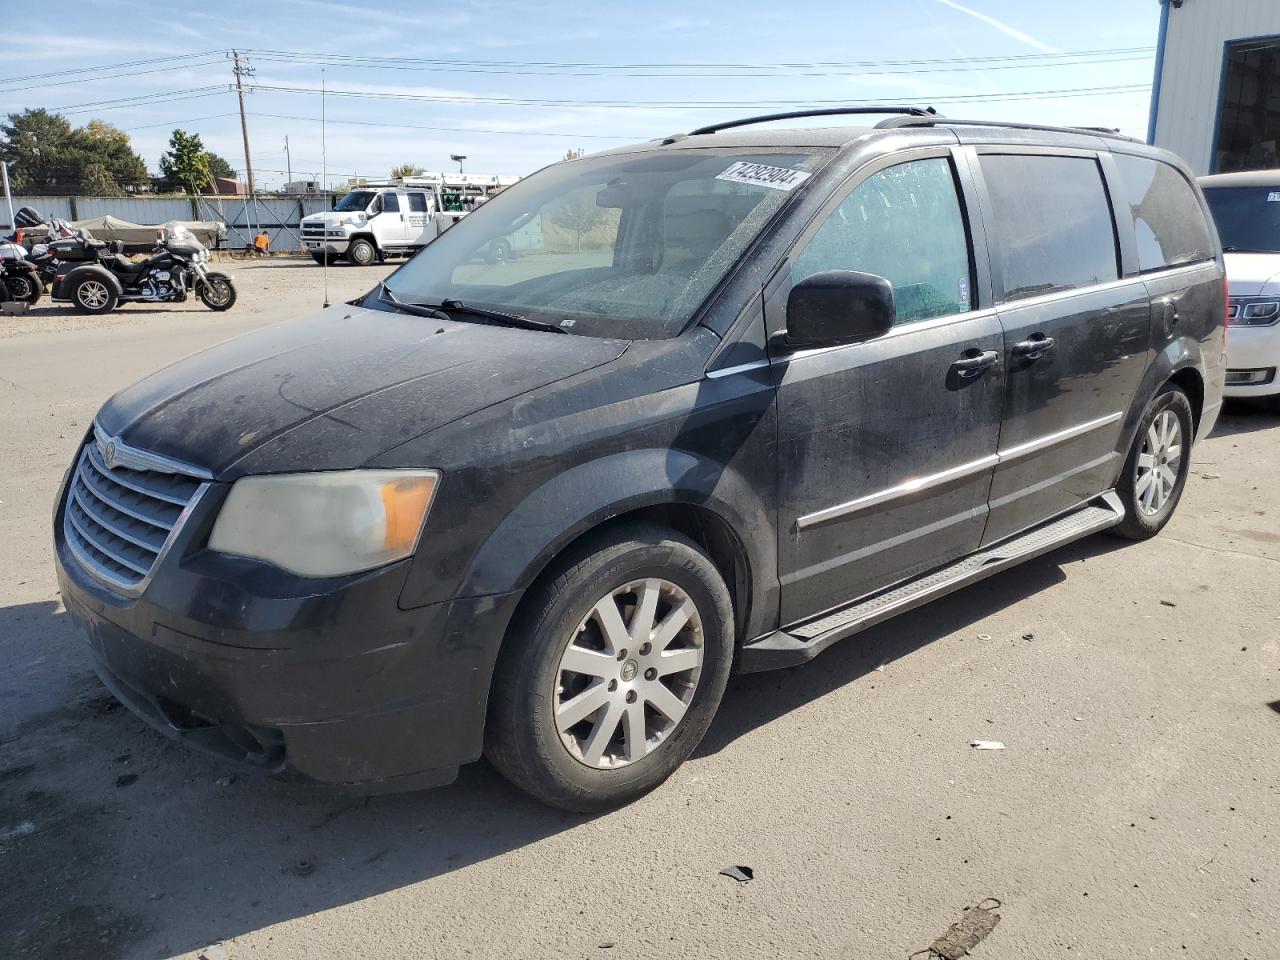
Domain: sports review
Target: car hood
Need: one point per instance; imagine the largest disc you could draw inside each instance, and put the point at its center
(1250, 273)
(332, 390)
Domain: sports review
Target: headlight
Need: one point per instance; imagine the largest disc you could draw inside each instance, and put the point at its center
(326, 524)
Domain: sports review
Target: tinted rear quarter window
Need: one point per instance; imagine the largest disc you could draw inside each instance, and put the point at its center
(1168, 222)
(1051, 223)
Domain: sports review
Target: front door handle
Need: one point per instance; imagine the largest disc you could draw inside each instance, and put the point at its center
(1033, 349)
(972, 366)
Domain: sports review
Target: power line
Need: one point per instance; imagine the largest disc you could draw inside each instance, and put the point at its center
(108, 66)
(555, 64)
(130, 101)
(469, 100)
(114, 76)
(414, 126)
(175, 123)
(744, 73)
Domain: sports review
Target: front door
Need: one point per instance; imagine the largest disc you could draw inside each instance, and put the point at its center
(1076, 336)
(886, 448)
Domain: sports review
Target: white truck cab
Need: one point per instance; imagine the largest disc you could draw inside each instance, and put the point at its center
(1246, 207)
(394, 218)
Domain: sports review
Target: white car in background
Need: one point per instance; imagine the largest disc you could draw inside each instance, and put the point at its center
(1246, 207)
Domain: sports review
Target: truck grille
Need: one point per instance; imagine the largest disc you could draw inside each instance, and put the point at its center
(118, 520)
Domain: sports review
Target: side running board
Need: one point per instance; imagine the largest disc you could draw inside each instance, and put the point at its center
(805, 641)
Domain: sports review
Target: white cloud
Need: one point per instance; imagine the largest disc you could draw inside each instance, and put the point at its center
(1003, 27)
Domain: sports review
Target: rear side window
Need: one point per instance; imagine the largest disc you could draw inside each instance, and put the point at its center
(417, 203)
(1167, 218)
(1051, 224)
(904, 224)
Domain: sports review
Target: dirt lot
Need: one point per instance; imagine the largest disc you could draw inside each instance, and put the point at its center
(1133, 812)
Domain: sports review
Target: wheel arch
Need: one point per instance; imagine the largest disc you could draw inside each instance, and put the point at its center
(364, 235)
(710, 503)
(1180, 362)
(69, 281)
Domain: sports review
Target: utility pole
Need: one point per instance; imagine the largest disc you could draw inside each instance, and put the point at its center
(240, 67)
(288, 162)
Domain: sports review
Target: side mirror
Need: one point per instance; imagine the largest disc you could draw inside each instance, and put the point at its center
(836, 307)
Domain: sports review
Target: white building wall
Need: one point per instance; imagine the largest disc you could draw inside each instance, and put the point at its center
(1187, 114)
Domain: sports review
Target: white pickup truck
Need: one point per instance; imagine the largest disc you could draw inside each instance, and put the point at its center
(395, 218)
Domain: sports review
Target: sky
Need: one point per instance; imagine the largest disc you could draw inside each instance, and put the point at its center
(513, 85)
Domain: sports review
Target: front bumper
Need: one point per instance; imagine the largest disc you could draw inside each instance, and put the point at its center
(326, 245)
(1254, 348)
(324, 680)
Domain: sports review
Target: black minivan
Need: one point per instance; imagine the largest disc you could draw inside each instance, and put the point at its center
(731, 397)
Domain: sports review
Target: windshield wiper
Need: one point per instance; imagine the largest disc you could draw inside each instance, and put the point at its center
(507, 319)
(386, 295)
(1245, 250)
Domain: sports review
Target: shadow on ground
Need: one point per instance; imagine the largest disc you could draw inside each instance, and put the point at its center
(116, 842)
(1245, 416)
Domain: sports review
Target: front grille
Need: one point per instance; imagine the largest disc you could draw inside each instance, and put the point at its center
(313, 229)
(118, 520)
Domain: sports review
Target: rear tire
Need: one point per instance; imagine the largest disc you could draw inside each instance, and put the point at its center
(1155, 472)
(628, 744)
(94, 295)
(362, 253)
(23, 286)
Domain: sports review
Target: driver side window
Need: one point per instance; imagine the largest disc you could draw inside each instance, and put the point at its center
(905, 224)
(389, 203)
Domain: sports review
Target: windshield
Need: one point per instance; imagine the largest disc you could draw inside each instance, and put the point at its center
(1248, 218)
(618, 246)
(356, 200)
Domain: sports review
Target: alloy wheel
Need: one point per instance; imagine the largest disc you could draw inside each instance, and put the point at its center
(219, 292)
(1158, 463)
(92, 294)
(629, 673)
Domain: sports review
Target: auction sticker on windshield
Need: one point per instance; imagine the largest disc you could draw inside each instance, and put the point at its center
(762, 175)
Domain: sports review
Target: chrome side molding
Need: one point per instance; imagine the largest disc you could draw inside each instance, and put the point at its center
(920, 484)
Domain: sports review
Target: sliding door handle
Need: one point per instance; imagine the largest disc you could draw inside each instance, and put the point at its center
(1033, 349)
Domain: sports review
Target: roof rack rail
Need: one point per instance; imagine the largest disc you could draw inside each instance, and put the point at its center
(917, 121)
(922, 112)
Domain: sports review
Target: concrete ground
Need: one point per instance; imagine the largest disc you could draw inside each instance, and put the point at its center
(1133, 813)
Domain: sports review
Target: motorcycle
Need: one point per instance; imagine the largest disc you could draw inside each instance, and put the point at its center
(58, 243)
(175, 270)
(19, 277)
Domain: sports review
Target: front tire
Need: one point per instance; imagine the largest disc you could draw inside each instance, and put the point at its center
(219, 293)
(362, 253)
(613, 672)
(1156, 469)
(94, 295)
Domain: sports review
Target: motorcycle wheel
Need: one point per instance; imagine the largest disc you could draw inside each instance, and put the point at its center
(22, 287)
(219, 293)
(94, 295)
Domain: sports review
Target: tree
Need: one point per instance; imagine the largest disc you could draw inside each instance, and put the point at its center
(109, 163)
(96, 181)
(577, 211)
(574, 154)
(406, 170)
(186, 164)
(48, 156)
(220, 166)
